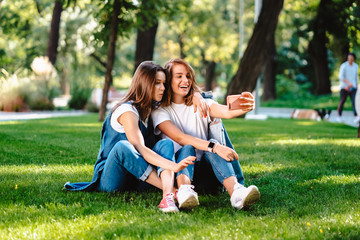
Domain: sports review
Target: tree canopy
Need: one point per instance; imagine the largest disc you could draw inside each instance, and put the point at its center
(311, 40)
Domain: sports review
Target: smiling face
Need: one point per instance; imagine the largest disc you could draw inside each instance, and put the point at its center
(159, 88)
(180, 83)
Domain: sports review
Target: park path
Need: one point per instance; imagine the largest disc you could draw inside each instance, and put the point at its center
(14, 116)
(261, 114)
(264, 112)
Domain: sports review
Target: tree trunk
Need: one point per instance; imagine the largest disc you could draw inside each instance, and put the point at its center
(65, 88)
(145, 44)
(269, 79)
(181, 45)
(256, 51)
(209, 75)
(318, 52)
(53, 43)
(111, 58)
(102, 63)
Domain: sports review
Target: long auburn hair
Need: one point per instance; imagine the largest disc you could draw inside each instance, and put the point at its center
(193, 85)
(141, 88)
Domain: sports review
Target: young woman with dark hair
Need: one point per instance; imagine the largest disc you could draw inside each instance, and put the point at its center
(128, 147)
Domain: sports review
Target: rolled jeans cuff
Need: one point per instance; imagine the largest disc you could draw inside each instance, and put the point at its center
(159, 171)
(146, 173)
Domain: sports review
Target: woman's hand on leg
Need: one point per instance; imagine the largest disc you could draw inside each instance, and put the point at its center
(184, 163)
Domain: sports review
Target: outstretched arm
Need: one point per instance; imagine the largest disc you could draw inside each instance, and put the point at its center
(222, 111)
(173, 132)
(129, 120)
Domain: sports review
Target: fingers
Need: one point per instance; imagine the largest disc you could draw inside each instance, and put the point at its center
(203, 108)
(188, 160)
(231, 157)
(236, 156)
(247, 99)
(191, 158)
(247, 94)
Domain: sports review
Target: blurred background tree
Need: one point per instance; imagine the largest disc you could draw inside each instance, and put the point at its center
(299, 63)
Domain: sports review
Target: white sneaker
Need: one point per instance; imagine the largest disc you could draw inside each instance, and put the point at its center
(244, 197)
(357, 119)
(339, 119)
(187, 197)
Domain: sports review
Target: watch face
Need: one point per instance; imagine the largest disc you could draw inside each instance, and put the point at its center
(211, 145)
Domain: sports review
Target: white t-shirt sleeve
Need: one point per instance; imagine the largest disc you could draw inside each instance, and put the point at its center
(210, 101)
(118, 112)
(158, 116)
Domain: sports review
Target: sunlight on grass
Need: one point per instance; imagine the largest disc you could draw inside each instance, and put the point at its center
(334, 179)
(308, 176)
(11, 122)
(263, 168)
(322, 141)
(80, 125)
(48, 169)
(305, 123)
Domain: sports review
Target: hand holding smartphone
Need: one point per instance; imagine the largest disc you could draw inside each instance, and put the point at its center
(242, 101)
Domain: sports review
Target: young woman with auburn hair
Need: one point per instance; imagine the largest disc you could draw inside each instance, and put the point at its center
(128, 149)
(176, 120)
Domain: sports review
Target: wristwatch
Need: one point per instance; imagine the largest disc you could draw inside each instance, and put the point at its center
(211, 146)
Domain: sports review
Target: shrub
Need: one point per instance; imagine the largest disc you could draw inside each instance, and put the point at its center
(80, 88)
(11, 98)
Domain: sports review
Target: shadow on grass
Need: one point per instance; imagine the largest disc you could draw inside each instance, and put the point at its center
(297, 180)
(298, 191)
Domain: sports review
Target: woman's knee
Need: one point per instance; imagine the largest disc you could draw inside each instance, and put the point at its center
(189, 148)
(186, 151)
(124, 147)
(166, 144)
(165, 148)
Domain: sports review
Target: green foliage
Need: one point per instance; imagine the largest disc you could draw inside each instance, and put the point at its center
(81, 88)
(208, 31)
(92, 107)
(17, 41)
(307, 173)
(296, 28)
(23, 89)
(305, 100)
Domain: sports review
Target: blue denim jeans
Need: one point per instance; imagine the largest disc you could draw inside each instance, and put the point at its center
(204, 172)
(125, 162)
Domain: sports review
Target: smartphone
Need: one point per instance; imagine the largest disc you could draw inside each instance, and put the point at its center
(233, 102)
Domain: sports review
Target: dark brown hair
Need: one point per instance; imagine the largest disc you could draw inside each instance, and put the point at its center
(193, 85)
(141, 88)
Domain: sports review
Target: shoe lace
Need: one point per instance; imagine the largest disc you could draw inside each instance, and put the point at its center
(169, 198)
(189, 188)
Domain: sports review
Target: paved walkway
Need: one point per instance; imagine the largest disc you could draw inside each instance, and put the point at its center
(13, 116)
(265, 112)
(261, 114)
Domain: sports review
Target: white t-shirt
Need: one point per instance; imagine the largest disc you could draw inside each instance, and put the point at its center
(350, 72)
(185, 119)
(125, 107)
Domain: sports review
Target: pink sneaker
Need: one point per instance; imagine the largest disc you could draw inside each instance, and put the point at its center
(167, 204)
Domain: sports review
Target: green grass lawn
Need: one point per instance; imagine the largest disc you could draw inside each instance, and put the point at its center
(307, 101)
(308, 174)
